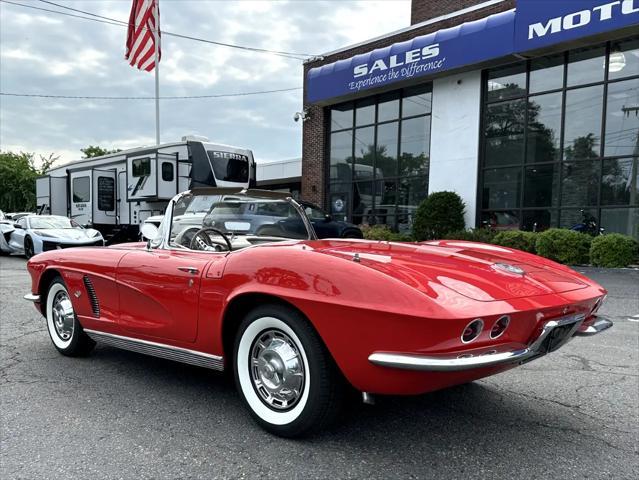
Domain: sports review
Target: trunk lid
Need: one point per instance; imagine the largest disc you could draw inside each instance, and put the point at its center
(478, 271)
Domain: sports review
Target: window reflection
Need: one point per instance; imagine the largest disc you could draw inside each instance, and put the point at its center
(621, 220)
(417, 101)
(622, 119)
(586, 66)
(505, 132)
(341, 155)
(580, 183)
(364, 152)
(342, 116)
(541, 186)
(502, 188)
(506, 83)
(415, 146)
(620, 182)
(623, 60)
(544, 127)
(546, 73)
(387, 143)
(582, 129)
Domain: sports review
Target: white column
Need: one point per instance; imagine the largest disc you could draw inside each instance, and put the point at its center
(454, 150)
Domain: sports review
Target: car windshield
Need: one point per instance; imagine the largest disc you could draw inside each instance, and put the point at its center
(44, 222)
(244, 217)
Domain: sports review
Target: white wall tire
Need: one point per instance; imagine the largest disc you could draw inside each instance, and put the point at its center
(278, 406)
(64, 329)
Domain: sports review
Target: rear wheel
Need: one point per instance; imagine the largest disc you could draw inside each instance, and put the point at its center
(284, 373)
(65, 331)
(28, 247)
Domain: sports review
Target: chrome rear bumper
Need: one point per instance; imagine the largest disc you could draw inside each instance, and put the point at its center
(554, 335)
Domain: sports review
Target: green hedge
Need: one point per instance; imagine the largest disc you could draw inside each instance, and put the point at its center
(438, 215)
(517, 239)
(383, 232)
(483, 235)
(613, 250)
(564, 246)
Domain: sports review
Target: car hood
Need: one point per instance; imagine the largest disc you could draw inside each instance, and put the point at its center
(478, 271)
(66, 233)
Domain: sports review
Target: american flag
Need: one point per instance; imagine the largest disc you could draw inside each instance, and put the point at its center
(140, 40)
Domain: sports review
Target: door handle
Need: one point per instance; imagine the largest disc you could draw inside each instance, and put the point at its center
(191, 270)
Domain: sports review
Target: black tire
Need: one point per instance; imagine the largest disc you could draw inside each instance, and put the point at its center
(67, 337)
(28, 247)
(322, 391)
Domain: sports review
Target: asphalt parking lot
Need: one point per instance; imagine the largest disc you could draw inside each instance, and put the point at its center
(115, 414)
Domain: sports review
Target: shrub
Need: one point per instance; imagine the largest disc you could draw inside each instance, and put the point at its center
(564, 246)
(613, 250)
(383, 232)
(516, 239)
(439, 214)
(483, 235)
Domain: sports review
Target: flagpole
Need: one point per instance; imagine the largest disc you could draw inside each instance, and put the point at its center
(157, 71)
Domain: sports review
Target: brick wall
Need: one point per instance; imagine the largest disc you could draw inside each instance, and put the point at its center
(314, 130)
(422, 10)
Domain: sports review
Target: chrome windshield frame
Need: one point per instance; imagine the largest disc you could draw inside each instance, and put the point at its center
(165, 243)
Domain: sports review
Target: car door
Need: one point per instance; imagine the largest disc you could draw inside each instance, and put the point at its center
(159, 293)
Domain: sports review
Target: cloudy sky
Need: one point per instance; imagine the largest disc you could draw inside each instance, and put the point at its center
(46, 53)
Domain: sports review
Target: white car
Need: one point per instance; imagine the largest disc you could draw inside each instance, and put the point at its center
(34, 234)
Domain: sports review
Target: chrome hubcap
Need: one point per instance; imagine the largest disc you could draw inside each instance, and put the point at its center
(63, 317)
(277, 369)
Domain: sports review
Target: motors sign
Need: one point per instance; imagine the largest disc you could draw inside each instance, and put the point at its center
(539, 23)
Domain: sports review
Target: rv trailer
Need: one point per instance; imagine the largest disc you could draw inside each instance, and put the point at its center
(115, 193)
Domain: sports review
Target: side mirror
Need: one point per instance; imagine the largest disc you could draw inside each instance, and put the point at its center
(149, 231)
(17, 225)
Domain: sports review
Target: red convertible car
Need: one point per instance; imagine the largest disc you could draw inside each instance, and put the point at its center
(299, 320)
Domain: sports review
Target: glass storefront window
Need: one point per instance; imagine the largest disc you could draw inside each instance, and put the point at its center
(546, 73)
(342, 117)
(582, 131)
(417, 101)
(415, 146)
(502, 188)
(620, 181)
(365, 112)
(544, 128)
(622, 119)
(504, 132)
(389, 142)
(580, 183)
(586, 66)
(364, 152)
(508, 82)
(623, 60)
(341, 156)
(579, 145)
(541, 185)
(388, 107)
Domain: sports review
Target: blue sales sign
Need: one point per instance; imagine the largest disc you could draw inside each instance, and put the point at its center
(471, 42)
(539, 23)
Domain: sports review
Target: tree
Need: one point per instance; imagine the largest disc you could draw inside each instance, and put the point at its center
(97, 151)
(18, 172)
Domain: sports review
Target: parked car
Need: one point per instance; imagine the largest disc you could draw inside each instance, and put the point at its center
(326, 226)
(15, 216)
(32, 234)
(299, 319)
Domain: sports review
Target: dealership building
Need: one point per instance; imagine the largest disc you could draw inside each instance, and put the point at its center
(528, 109)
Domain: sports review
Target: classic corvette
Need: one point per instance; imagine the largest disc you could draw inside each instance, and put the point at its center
(300, 320)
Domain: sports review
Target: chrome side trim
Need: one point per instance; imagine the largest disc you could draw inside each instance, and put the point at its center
(32, 298)
(599, 325)
(462, 362)
(161, 350)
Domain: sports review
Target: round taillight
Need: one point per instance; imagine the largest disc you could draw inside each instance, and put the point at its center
(472, 330)
(499, 327)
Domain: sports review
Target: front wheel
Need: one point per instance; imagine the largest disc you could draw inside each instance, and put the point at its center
(284, 373)
(65, 331)
(28, 247)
